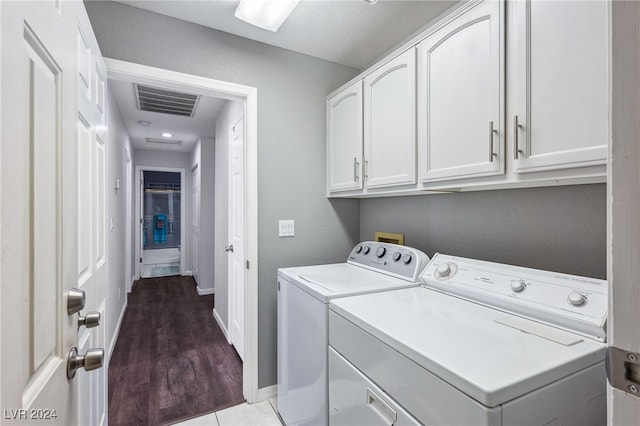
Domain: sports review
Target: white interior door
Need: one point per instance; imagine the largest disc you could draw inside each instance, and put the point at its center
(195, 221)
(236, 236)
(54, 213)
(623, 245)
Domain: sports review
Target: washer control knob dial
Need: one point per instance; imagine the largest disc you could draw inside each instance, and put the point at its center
(396, 255)
(366, 249)
(406, 259)
(380, 251)
(358, 248)
(444, 270)
(577, 299)
(518, 286)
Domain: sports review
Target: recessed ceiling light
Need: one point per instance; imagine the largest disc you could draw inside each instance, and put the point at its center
(268, 15)
(371, 1)
(144, 123)
(166, 135)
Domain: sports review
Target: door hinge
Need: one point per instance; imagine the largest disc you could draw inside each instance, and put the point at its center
(247, 264)
(623, 370)
(140, 260)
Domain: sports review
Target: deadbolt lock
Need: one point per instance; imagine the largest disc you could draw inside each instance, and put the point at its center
(75, 300)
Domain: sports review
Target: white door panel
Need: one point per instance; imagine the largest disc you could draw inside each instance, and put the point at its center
(460, 79)
(195, 222)
(53, 217)
(236, 236)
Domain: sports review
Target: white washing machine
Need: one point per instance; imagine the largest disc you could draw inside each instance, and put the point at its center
(480, 344)
(303, 316)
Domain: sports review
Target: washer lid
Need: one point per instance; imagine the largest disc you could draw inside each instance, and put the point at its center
(466, 344)
(325, 282)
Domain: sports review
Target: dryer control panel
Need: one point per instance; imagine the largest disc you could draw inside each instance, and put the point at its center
(570, 302)
(391, 259)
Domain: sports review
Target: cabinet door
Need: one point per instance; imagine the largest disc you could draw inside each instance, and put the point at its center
(460, 96)
(344, 139)
(560, 84)
(389, 123)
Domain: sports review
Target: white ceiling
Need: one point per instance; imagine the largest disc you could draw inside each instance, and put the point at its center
(186, 129)
(348, 32)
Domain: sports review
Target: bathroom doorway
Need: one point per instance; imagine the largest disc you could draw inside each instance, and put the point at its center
(161, 222)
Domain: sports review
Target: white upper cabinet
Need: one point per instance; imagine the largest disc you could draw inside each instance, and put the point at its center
(558, 84)
(390, 123)
(460, 96)
(344, 139)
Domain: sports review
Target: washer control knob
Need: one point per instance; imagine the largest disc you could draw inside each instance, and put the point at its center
(366, 249)
(406, 259)
(380, 251)
(358, 248)
(577, 299)
(444, 270)
(396, 255)
(518, 286)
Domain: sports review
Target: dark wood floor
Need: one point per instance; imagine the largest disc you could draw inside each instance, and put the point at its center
(171, 360)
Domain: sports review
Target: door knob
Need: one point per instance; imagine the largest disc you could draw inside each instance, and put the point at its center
(92, 319)
(92, 360)
(75, 300)
(229, 248)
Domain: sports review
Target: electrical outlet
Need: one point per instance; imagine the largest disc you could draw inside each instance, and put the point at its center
(286, 228)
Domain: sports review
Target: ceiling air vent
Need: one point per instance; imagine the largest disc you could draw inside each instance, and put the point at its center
(165, 101)
(164, 141)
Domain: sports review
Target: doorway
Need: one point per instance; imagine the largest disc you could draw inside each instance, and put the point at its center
(161, 223)
(125, 71)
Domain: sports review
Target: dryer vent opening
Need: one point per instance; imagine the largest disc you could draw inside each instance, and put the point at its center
(165, 101)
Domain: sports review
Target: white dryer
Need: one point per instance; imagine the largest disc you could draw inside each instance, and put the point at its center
(303, 316)
(480, 344)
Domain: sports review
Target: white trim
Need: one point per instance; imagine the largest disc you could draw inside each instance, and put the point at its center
(143, 168)
(127, 71)
(222, 326)
(187, 274)
(267, 393)
(205, 291)
(116, 332)
(133, 279)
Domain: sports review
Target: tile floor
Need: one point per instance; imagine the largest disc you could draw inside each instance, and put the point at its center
(258, 414)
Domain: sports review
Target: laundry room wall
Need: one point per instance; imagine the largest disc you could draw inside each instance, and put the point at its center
(560, 229)
(292, 91)
(178, 160)
(118, 142)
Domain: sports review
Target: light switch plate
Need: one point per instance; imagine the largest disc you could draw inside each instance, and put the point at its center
(286, 228)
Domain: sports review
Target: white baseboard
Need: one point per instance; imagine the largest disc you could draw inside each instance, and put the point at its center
(116, 332)
(205, 291)
(133, 279)
(267, 393)
(187, 274)
(221, 324)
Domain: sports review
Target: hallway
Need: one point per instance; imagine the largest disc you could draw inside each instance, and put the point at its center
(171, 361)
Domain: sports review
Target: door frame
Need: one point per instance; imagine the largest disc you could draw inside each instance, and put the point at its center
(139, 212)
(132, 72)
(129, 274)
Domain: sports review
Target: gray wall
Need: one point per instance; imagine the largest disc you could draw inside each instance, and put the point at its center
(560, 229)
(176, 160)
(116, 201)
(230, 113)
(292, 89)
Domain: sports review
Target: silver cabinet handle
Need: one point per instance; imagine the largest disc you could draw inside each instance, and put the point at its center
(92, 319)
(75, 301)
(516, 127)
(92, 360)
(355, 169)
(492, 131)
(366, 169)
(383, 409)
